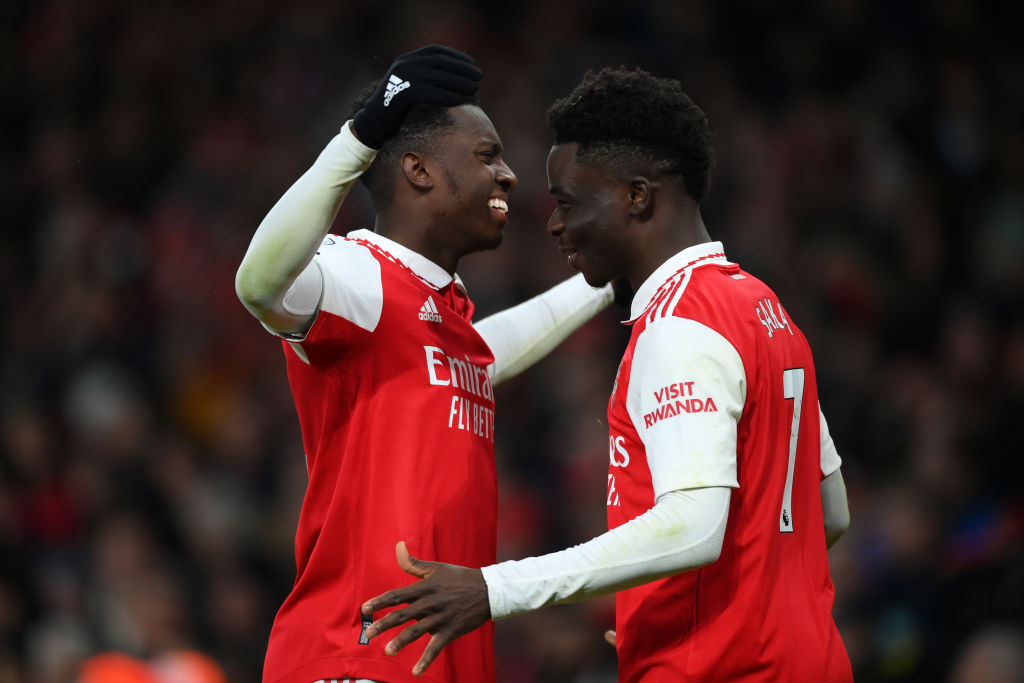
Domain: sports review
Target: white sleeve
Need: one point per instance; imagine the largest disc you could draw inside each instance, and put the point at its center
(684, 530)
(830, 460)
(343, 279)
(286, 240)
(686, 393)
(522, 335)
(835, 508)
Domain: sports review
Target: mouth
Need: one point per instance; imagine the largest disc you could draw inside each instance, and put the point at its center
(571, 255)
(499, 208)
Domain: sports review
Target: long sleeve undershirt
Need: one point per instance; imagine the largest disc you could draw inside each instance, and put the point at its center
(280, 283)
(522, 335)
(684, 530)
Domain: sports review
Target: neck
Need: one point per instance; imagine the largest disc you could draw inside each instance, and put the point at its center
(664, 241)
(417, 237)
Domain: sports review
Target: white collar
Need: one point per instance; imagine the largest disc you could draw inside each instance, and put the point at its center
(698, 254)
(424, 268)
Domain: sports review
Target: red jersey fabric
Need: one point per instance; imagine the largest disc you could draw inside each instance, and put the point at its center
(763, 610)
(397, 426)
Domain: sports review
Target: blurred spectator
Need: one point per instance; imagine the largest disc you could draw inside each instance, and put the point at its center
(182, 666)
(870, 166)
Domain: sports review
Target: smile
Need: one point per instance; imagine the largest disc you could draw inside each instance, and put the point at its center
(498, 204)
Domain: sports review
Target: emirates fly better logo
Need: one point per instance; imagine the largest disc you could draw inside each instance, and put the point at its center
(395, 85)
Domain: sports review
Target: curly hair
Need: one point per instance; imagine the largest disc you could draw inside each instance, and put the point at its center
(629, 118)
(422, 132)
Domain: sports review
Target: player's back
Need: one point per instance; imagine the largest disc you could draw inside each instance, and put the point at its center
(762, 611)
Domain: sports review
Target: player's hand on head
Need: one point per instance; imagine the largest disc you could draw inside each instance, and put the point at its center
(435, 74)
(448, 601)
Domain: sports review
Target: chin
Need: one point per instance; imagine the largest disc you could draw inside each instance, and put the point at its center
(595, 280)
(495, 241)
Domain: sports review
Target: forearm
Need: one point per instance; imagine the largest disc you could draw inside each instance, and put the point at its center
(683, 531)
(287, 239)
(523, 334)
(835, 508)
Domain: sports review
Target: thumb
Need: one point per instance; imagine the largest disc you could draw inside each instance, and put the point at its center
(610, 638)
(410, 565)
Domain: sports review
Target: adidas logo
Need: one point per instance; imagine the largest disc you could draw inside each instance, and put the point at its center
(395, 85)
(428, 311)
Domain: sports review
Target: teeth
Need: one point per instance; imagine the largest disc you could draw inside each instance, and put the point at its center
(499, 204)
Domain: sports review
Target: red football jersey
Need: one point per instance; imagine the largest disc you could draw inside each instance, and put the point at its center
(397, 419)
(745, 415)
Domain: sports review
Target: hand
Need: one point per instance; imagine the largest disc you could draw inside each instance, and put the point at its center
(609, 637)
(434, 74)
(448, 601)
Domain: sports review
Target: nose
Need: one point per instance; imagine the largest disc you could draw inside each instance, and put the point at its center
(555, 225)
(506, 178)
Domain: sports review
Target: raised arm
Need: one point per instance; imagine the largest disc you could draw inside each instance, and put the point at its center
(522, 335)
(277, 280)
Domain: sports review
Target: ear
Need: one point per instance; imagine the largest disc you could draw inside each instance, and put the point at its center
(641, 195)
(415, 171)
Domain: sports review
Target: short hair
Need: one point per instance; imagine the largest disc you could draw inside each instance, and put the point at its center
(422, 131)
(629, 118)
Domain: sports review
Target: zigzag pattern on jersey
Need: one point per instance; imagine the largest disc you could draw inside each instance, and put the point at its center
(667, 296)
(377, 248)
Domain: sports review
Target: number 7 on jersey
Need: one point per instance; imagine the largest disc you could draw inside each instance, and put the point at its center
(792, 388)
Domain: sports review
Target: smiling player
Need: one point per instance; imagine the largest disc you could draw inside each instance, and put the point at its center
(392, 382)
(724, 487)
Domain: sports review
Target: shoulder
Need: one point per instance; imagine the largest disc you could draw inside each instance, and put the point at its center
(677, 337)
(353, 287)
(347, 262)
(681, 358)
(734, 303)
(339, 249)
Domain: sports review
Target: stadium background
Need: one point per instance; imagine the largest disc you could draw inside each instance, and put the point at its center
(870, 168)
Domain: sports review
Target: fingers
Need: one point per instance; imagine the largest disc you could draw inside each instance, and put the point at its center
(438, 642)
(429, 94)
(389, 621)
(462, 81)
(410, 565)
(433, 649)
(440, 50)
(441, 66)
(410, 633)
(610, 638)
(398, 596)
(404, 558)
(448, 66)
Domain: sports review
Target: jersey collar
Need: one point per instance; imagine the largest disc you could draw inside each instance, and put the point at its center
(421, 266)
(698, 254)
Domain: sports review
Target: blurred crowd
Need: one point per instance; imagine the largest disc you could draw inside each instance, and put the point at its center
(869, 167)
